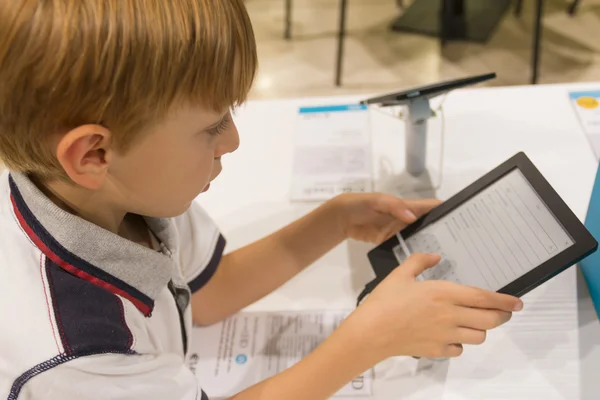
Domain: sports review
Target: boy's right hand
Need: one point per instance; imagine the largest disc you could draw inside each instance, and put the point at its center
(400, 317)
(431, 319)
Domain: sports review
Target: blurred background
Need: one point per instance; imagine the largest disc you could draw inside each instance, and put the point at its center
(299, 43)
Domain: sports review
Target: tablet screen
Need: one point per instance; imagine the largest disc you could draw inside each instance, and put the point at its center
(501, 233)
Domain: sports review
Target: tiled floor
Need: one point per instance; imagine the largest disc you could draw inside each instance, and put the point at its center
(377, 59)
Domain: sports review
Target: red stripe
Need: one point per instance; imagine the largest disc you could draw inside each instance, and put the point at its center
(73, 270)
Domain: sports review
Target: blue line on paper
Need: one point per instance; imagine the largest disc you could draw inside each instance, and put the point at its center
(332, 108)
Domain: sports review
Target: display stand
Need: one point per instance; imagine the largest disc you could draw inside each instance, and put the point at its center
(422, 165)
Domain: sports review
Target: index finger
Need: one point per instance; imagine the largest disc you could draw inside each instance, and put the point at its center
(473, 297)
(416, 263)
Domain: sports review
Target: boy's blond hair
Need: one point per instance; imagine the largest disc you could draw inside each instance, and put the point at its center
(119, 63)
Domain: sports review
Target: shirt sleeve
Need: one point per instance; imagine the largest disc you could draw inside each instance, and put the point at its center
(201, 246)
(116, 377)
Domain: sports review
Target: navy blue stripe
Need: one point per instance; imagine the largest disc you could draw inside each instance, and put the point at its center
(202, 279)
(18, 384)
(204, 396)
(89, 318)
(66, 255)
(30, 373)
(53, 297)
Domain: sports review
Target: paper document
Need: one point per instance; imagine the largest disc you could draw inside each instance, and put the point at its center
(332, 152)
(250, 347)
(587, 107)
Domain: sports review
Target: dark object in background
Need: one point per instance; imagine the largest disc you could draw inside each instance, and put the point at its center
(573, 7)
(471, 20)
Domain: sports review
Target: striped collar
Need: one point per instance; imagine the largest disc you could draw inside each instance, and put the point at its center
(92, 253)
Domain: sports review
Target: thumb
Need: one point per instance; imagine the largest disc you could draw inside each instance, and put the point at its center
(422, 206)
(419, 262)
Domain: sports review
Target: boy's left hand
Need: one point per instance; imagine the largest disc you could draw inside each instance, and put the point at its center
(375, 217)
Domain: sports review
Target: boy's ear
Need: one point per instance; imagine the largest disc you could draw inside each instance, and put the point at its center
(84, 154)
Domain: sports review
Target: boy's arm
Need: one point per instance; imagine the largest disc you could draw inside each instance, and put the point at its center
(400, 317)
(253, 271)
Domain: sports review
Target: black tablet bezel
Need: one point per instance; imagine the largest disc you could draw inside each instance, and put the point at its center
(383, 260)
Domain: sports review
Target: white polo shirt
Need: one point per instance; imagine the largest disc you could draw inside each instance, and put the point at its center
(89, 315)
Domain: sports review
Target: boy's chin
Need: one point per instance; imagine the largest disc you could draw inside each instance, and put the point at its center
(175, 210)
(170, 212)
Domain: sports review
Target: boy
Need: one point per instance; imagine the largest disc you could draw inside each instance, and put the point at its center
(114, 116)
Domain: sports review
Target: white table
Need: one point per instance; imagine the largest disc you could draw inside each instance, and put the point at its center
(549, 351)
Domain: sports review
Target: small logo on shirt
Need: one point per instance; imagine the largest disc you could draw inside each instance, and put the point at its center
(241, 359)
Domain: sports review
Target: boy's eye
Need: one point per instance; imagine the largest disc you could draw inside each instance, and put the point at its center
(222, 127)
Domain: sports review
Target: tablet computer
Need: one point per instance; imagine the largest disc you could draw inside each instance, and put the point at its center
(428, 92)
(507, 232)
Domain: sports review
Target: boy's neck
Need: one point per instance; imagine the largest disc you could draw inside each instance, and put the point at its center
(84, 204)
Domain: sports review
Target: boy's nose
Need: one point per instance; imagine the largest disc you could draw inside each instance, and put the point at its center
(235, 140)
(230, 141)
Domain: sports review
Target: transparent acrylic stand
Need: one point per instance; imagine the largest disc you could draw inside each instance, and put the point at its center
(408, 148)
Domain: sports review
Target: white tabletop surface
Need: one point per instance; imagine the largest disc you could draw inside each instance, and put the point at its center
(551, 350)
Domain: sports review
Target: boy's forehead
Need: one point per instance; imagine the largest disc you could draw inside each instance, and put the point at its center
(198, 110)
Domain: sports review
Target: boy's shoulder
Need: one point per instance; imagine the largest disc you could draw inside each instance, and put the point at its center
(33, 228)
(50, 316)
(69, 289)
(200, 245)
(39, 237)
